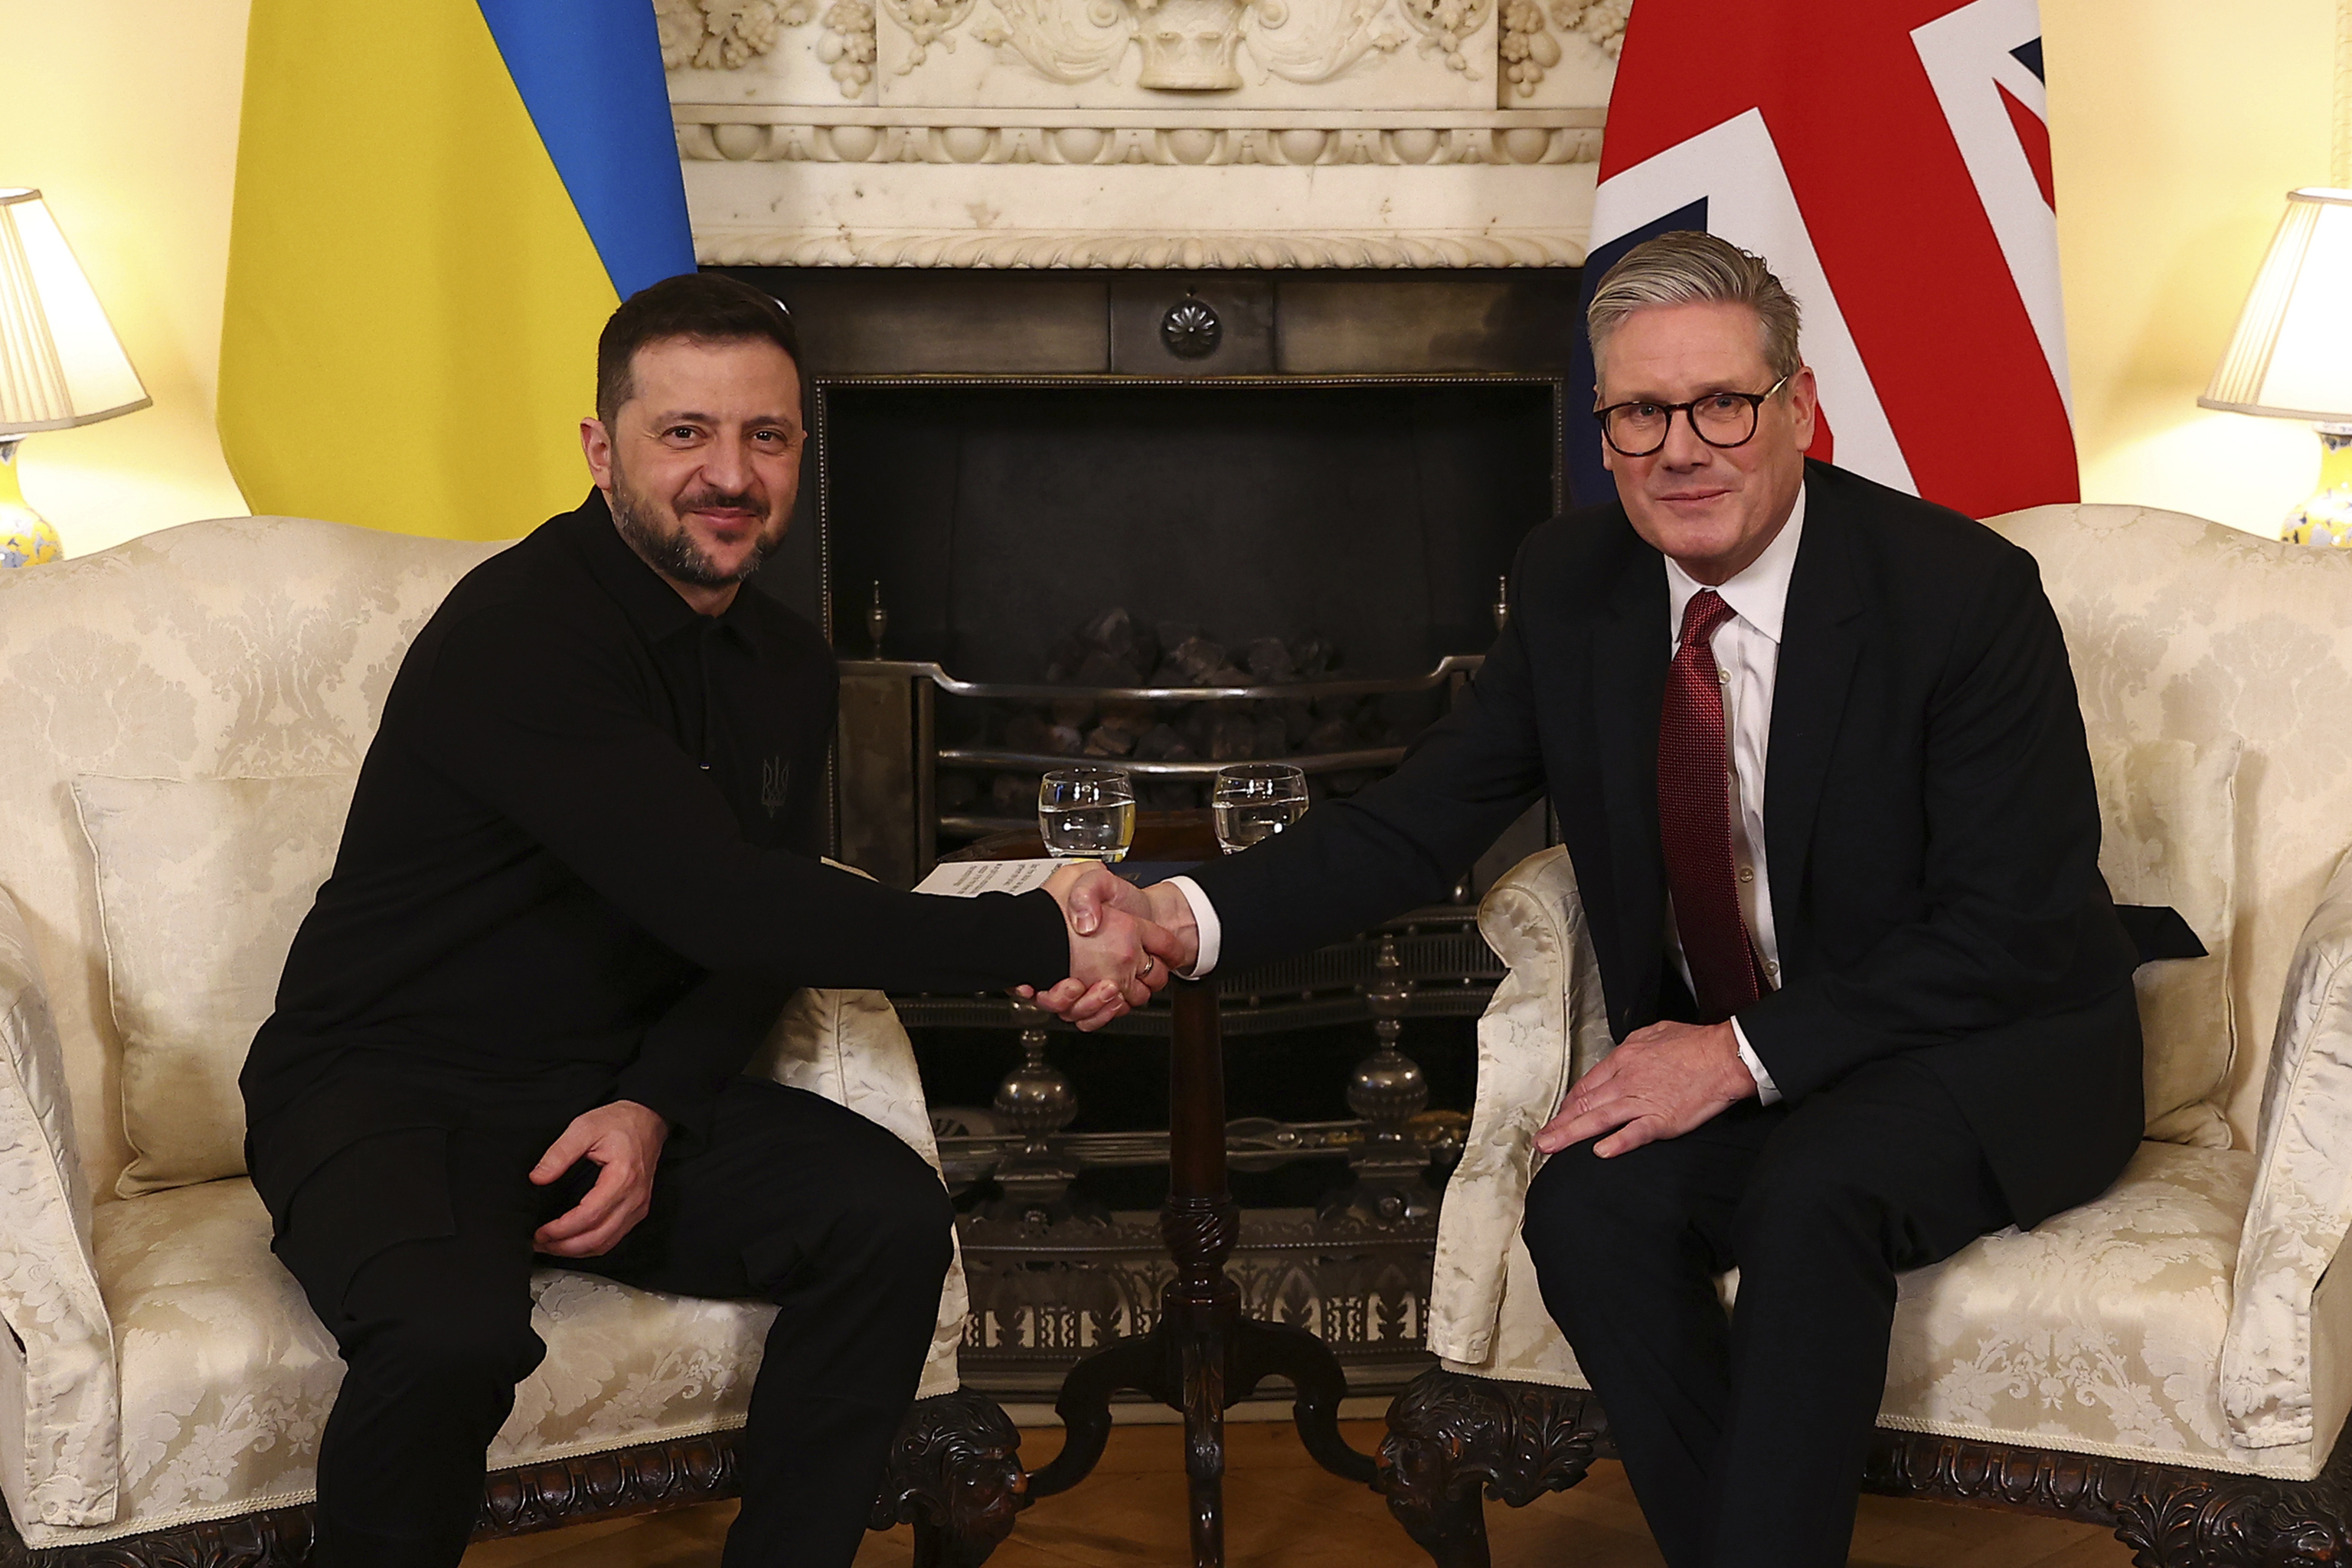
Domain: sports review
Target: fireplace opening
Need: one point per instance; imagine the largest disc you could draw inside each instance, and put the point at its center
(1165, 576)
(997, 519)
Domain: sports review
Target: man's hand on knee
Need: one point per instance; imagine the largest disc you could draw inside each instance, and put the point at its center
(1663, 1081)
(624, 1141)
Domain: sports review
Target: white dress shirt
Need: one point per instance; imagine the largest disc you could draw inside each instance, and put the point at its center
(1748, 661)
(1747, 650)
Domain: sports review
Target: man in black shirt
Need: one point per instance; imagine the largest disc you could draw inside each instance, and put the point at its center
(578, 882)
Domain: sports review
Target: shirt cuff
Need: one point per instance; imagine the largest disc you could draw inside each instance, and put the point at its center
(1765, 1091)
(1208, 933)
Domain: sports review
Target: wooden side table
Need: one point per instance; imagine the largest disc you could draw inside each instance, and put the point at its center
(1202, 1356)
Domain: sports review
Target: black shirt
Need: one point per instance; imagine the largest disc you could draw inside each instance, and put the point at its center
(581, 860)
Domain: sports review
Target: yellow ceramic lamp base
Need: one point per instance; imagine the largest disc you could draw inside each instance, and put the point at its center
(2326, 516)
(25, 537)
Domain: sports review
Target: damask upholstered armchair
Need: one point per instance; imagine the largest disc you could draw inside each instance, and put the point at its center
(181, 720)
(2174, 1360)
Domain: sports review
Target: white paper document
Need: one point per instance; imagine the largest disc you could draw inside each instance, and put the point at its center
(969, 878)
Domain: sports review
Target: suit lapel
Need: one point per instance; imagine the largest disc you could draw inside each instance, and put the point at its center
(1819, 640)
(1629, 677)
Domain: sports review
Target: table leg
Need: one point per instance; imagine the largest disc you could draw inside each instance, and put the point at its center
(1203, 1354)
(1200, 1224)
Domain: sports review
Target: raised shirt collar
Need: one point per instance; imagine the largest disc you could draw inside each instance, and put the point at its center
(1758, 594)
(653, 607)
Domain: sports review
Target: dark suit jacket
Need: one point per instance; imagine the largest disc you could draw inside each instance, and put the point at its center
(1931, 831)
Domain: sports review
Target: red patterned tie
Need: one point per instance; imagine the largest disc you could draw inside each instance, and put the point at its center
(1695, 820)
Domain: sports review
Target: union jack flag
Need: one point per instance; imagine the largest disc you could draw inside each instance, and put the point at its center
(1891, 160)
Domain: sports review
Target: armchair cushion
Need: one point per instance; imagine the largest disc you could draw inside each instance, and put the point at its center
(2096, 1332)
(201, 886)
(2169, 813)
(227, 1377)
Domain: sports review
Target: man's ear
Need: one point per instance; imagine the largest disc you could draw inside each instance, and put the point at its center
(596, 446)
(1804, 402)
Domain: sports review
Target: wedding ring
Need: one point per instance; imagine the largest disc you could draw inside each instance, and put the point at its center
(1145, 972)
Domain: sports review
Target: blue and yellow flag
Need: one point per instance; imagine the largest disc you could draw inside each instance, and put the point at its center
(438, 202)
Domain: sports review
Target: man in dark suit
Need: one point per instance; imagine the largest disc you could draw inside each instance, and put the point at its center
(1815, 752)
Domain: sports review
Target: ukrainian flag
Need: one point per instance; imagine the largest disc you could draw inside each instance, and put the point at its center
(438, 202)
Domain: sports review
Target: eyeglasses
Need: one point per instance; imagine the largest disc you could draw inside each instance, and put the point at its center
(1720, 419)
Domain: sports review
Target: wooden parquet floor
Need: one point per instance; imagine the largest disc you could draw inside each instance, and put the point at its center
(1281, 1510)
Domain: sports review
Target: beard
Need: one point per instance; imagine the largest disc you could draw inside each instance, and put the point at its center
(657, 535)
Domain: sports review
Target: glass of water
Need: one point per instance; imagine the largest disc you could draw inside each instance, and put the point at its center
(1254, 801)
(1086, 814)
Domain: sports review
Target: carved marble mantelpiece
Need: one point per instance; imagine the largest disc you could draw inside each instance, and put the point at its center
(1185, 133)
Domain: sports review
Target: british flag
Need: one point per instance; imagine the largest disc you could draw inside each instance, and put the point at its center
(1891, 160)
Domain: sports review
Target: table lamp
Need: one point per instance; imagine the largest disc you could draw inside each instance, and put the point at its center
(2291, 356)
(60, 365)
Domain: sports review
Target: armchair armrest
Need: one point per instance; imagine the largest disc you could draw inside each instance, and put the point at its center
(2279, 1334)
(849, 1047)
(60, 1413)
(1546, 1024)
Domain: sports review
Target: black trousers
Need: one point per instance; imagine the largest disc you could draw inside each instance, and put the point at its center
(1745, 1439)
(792, 1199)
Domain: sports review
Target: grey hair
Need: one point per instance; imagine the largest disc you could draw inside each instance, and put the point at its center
(1691, 267)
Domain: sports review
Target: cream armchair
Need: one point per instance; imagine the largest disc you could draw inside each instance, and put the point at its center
(180, 721)
(2174, 1360)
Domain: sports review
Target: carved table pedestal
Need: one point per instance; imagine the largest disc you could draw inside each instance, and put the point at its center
(1202, 1356)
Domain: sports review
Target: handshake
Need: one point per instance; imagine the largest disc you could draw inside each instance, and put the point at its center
(1125, 942)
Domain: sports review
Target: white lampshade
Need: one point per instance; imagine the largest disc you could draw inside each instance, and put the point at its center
(60, 363)
(2291, 353)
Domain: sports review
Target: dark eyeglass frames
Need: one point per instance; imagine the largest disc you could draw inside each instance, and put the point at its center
(1723, 419)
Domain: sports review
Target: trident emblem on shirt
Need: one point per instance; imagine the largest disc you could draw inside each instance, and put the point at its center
(776, 778)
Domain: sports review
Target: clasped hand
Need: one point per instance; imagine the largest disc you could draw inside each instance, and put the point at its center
(1125, 942)
(1663, 1081)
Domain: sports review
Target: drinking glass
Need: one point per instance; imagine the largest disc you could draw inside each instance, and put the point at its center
(1254, 801)
(1086, 814)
